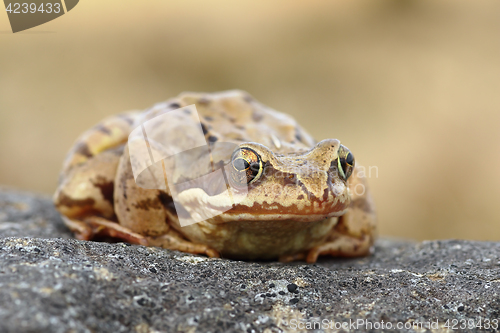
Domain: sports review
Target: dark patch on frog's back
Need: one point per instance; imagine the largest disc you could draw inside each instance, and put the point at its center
(228, 117)
(118, 150)
(83, 149)
(204, 129)
(248, 98)
(64, 200)
(126, 118)
(298, 135)
(103, 129)
(148, 203)
(257, 116)
(167, 202)
(205, 100)
(212, 138)
(106, 187)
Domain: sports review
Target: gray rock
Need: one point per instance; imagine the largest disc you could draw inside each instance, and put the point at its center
(29, 215)
(66, 285)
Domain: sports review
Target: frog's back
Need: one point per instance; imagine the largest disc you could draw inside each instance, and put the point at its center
(235, 116)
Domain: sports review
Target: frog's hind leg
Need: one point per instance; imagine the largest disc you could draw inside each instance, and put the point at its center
(86, 183)
(95, 227)
(86, 186)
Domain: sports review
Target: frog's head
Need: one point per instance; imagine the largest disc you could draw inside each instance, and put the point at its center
(306, 186)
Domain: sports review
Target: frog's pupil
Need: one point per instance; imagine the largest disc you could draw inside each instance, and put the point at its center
(349, 159)
(241, 164)
(343, 164)
(255, 166)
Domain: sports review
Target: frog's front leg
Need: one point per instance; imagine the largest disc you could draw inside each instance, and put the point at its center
(355, 232)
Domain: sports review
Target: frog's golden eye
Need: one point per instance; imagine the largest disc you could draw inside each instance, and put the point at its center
(247, 166)
(345, 162)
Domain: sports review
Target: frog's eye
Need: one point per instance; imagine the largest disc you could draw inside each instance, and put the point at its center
(247, 166)
(345, 162)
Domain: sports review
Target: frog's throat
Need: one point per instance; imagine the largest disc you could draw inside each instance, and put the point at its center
(225, 207)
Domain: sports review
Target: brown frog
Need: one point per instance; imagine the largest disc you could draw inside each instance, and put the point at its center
(304, 199)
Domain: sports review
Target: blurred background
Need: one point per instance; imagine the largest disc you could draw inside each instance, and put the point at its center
(412, 87)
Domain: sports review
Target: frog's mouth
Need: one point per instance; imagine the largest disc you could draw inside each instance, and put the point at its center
(227, 207)
(277, 212)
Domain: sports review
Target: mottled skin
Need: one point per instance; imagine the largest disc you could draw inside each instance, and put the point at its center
(301, 206)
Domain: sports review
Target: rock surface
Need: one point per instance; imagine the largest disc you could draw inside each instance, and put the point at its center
(52, 283)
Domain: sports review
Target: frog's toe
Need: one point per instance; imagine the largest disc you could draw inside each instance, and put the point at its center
(81, 229)
(94, 227)
(293, 257)
(341, 246)
(212, 253)
(103, 227)
(172, 240)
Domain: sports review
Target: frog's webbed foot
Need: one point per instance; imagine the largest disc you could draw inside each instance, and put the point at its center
(172, 240)
(341, 246)
(338, 245)
(81, 229)
(92, 227)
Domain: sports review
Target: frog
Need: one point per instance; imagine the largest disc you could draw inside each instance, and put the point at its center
(304, 199)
